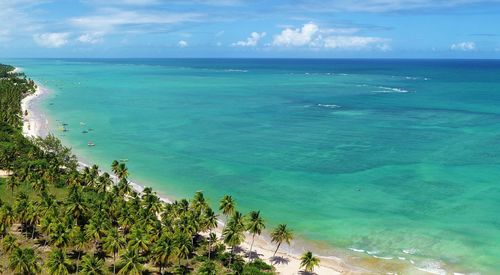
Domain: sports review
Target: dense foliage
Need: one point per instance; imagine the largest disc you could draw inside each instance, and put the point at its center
(57, 219)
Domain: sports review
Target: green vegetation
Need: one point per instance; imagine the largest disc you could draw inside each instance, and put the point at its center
(308, 261)
(55, 219)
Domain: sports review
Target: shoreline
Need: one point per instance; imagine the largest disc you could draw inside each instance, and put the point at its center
(36, 124)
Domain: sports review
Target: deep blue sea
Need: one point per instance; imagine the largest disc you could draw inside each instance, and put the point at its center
(387, 159)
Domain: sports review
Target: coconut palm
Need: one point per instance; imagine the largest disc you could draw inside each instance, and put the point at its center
(183, 246)
(122, 171)
(39, 185)
(113, 242)
(131, 263)
(227, 205)
(162, 251)
(237, 220)
(79, 241)
(281, 234)
(12, 184)
(75, 204)
(91, 265)
(103, 183)
(308, 261)
(208, 268)
(96, 228)
(139, 239)
(24, 261)
(58, 263)
(114, 167)
(233, 236)
(212, 238)
(6, 219)
(210, 222)
(9, 243)
(255, 225)
(124, 187)
(60, 235)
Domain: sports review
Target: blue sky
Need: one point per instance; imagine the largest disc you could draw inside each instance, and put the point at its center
(250, 28)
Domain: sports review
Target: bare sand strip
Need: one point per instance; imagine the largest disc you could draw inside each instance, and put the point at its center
(286, 261)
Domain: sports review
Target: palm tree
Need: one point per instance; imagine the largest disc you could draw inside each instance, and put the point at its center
(39, 185)
(24, 261)
(79, 241)
(281, 234)
(208, 268)
(60, 235)
(122, 171)
(227, 205)
(212, 238)
(210, 221)
(308, 261)
(124, 187)
(6, 218)
(91, 265)
(114, 167)
(113, 242)
(12, 183)
(75, 204)
(9, 243)
(237, 220)
(232, 236)
(199, 204)
(103, 183)
(139, 239)
(183, 245)
(58, 263)
(162, 251)
(131, 263)
(255, 225)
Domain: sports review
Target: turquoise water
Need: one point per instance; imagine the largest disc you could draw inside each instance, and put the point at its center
(394, 158)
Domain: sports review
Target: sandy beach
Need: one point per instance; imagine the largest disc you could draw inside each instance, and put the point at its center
(286, 262)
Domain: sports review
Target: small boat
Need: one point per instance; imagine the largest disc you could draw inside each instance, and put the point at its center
(123, 160)
(62, 129)
(90, 144)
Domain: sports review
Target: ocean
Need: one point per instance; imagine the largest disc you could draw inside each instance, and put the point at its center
(390, 159)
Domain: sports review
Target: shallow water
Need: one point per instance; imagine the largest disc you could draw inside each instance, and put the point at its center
(392, 158)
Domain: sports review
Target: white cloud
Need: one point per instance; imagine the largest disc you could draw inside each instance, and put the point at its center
(182, 43)
(51, 40)
(91, 38)
(251, 41)
(311, 35)
(376, 6)
(296, 37)
(463, 46)
(110, 19)
(355, 42)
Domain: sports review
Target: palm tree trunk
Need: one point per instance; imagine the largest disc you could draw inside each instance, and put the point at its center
(276, 249)
(114, 263)
(231, 255)
(78, 260)
(251, 246)
(209, 242)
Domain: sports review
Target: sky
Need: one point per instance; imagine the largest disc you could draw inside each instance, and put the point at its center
(251, 28)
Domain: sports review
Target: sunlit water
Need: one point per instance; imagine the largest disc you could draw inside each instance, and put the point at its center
(395, 159)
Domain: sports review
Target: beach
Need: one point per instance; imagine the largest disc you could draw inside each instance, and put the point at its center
(37, 125)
